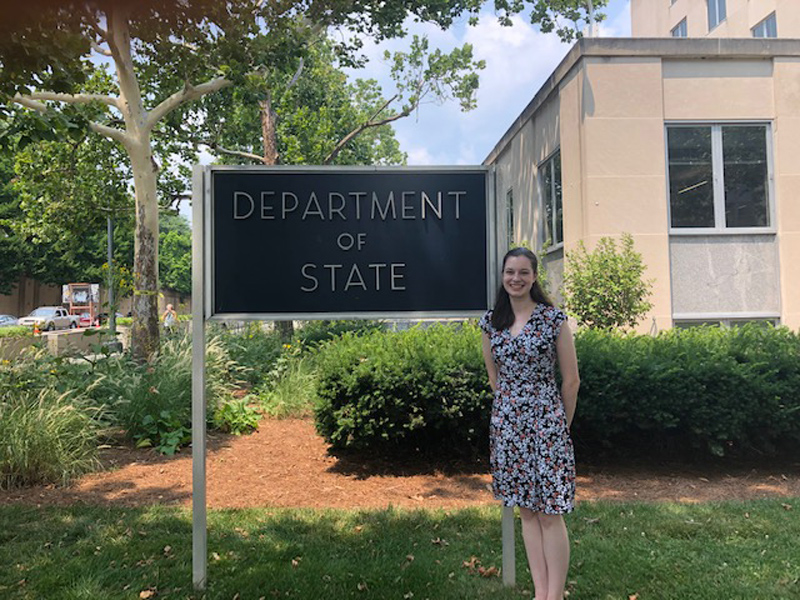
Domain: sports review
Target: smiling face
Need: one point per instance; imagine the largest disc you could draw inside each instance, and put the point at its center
(518, 276)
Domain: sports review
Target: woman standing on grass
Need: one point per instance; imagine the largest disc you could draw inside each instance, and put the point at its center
(531, 453)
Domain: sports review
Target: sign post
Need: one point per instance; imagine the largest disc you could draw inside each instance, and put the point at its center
(286, 243)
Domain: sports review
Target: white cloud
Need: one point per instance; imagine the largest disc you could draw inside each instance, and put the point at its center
(519, 59)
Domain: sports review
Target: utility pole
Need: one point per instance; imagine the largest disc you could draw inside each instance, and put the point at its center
(112, 311)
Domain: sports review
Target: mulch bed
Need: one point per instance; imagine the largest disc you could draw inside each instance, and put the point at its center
(286, 464)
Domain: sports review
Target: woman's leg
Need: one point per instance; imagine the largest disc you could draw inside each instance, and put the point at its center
(555, 542)
(534, 548)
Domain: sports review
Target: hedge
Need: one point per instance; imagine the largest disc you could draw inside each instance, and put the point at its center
(706, 390)
(693, 392)
(396, 392)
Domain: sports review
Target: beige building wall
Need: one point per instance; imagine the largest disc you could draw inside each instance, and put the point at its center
(657, 18)
(786, 86)
(610, 102)
(625, 188)
(27, 295)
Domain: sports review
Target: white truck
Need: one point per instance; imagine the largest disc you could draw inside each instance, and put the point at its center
(49, 318)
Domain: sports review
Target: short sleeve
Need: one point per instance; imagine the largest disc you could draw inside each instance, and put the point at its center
(485, 322)
(559, 318)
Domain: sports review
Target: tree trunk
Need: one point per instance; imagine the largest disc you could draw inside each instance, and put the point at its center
(269, 139)
(144, 337)
(269, 135)
(145, 334)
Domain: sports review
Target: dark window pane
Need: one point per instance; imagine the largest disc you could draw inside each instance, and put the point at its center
(510, 215)
(691, 184)
(744, 151)
(547, 186)
(559, 207)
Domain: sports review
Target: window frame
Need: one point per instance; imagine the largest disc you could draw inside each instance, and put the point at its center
(510, 215)
(763, 22)
(549, 163)
(720, 228)
(685, 29)
(717, 4)
(724, 319)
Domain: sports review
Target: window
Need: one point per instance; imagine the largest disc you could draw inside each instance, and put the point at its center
(510, 215)
(768, 28)
(716, 13)
(552, 208)
(718, 176)
(680, 29)
(687, 323)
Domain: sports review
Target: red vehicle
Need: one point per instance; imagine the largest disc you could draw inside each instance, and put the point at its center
(85, 320)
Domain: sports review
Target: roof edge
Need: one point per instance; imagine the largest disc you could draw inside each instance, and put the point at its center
(687, 48)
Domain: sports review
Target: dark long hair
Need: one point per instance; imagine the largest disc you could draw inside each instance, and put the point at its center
(503, 314)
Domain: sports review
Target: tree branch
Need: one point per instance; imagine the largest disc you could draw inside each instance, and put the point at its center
(99, 49)
(110, 132)
(296, 75)
(216, 147)
(369, 124)
(73, 98)
(188, 93)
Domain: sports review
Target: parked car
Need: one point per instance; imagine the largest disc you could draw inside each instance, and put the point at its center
(49, 318)
(85, 320)
(7, 321)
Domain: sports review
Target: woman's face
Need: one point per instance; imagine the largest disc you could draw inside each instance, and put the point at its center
(518, 276)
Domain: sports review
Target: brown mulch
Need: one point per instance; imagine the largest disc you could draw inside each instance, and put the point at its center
(286, 464)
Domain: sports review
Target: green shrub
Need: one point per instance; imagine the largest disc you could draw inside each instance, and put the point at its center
(253, 348)
(698, 391)
(236, 416)
(46, 436)
(290, 388)
(153, 402)
(313, 333)
(421, 389)
(16, 331)
(605, 288)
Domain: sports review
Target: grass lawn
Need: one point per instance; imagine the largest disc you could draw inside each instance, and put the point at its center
(662, 551)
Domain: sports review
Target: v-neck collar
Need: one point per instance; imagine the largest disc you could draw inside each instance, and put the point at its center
(530, 318)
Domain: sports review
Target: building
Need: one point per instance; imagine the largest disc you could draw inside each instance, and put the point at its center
(715, 18)
(691, 145)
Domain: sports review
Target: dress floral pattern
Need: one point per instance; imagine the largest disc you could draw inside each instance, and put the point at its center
(531, 452)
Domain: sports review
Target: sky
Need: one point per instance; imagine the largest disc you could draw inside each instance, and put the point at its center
(519, 60)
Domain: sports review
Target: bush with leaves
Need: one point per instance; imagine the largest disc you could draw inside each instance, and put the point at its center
(605, 288)
(399, 392)
(313, 333)
(49, 430)
(153, 402)
(705, 391)
(253, 348)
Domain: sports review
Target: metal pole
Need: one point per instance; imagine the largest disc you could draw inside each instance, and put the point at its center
(509, 554)
(112, 310)
(199, 527)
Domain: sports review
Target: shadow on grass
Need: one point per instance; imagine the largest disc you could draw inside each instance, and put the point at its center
(722, 550)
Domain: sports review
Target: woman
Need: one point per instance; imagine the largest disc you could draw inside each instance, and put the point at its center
(532, 458)
(170, 318)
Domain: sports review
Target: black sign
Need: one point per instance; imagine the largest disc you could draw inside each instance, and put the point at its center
(348, 242)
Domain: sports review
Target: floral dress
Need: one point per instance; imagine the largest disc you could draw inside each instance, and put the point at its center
(531, 453)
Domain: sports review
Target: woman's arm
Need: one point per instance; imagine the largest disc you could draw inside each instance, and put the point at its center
(568, 365)
(488, 359)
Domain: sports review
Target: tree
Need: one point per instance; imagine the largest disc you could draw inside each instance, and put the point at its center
(50, 227)
(175, 253)
(168, 53)
(605, 289)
